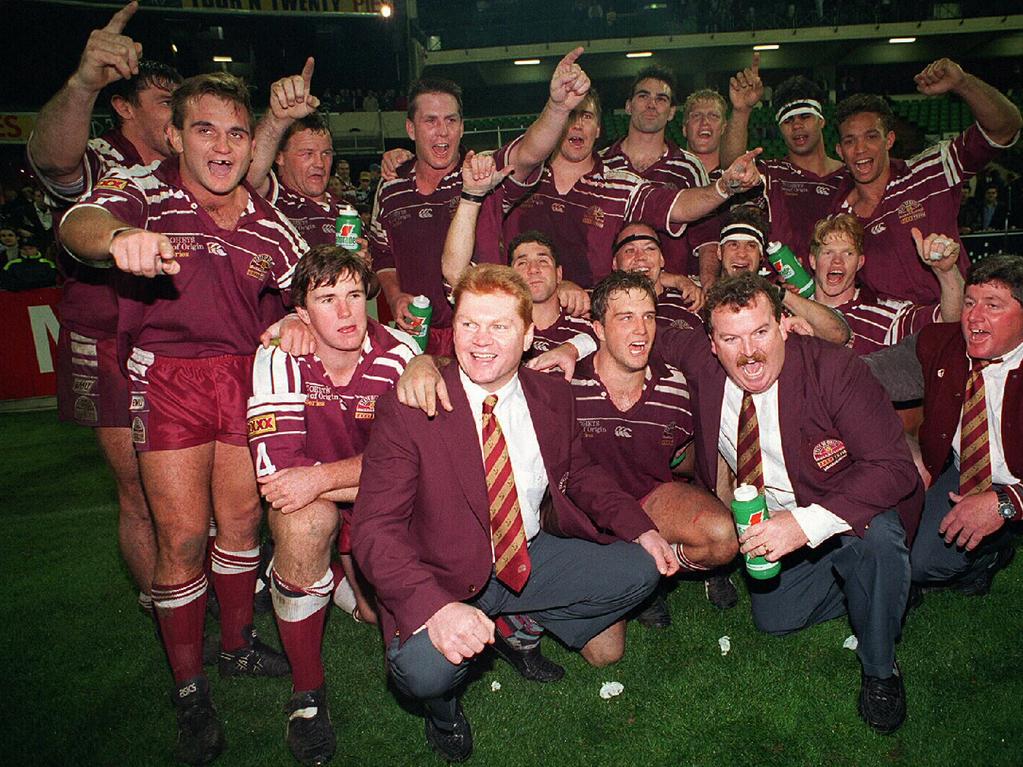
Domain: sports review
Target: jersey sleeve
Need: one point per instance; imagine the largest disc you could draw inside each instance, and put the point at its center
(963, 156)
(276, 413)
(119, 195)
(513, 190)
(652, 203)
(379, 243)
(912, 318)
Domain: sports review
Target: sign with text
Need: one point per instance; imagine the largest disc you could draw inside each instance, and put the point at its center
(30, 354)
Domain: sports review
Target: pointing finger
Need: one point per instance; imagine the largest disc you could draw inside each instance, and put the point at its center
(307, 70)
(120, 19)
(756, 63)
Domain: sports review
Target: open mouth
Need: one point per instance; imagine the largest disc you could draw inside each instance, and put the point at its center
(576, 142)
(753, 371)
(863, 167)
(220, 168)
(441, 150)
(835, 277)
(638, 348)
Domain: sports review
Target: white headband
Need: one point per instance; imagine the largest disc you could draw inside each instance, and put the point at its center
(799, 107)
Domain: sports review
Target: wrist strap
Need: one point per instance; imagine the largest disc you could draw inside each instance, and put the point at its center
(470, 197)
(722, 193)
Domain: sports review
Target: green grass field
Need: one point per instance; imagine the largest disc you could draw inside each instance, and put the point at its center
(87, 683)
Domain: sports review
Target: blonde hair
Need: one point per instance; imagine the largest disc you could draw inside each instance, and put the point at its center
(842, 224)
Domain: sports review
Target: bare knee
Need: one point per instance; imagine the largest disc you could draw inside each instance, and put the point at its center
(181, 547)
(607, 647)
(722, 541)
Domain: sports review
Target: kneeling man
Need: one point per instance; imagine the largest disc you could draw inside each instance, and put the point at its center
(447, 523)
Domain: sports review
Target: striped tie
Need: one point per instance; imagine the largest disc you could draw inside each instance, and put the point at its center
(749, 465)
(974, 450)
(511, 556)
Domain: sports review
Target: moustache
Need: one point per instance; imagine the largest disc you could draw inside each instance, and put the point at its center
(759, 357)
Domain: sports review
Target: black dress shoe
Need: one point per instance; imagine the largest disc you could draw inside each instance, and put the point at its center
(531, 664)
(453, 742)
(980, 584)
(883, 702)
(655, 614)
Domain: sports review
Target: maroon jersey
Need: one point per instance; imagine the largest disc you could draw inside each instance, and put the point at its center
(315, 221)
(583, 223)
(796, 200)
(564, 328)
(211, 307)
(879, 322)
(298, 417)
(923, 192)
(88, 302)
(672, 311)
(635, 447)
(677, 169)
(408, 230)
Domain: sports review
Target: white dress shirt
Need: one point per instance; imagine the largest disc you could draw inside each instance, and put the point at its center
(818, 523)
(995, 376)
(512, 413)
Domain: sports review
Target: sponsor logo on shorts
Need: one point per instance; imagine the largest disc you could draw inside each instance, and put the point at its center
(262, 424)
(85, 411)
(138, 431)
(828, 453)
(83, 384)
(259, 266)
(910, 210)
(365, 408)
(112, 183)
(138, 402)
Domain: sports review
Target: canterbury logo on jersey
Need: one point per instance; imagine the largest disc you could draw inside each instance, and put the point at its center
(878, 228)
(262, 424)
(623, 431)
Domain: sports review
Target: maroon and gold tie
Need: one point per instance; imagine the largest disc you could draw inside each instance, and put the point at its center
(749, 464)
(511, 556)
(974, 449)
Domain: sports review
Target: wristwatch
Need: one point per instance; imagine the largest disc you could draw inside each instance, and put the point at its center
(1005, 508)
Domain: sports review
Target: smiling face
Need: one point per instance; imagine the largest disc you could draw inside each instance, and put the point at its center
(147, 121)
(992, 320)
(704, 127)
(834, 268)
(336, 314)
(650, 107)
(215, 144)
(642, 256)
(534, 261)
(863, 146)
(802, 134)
(749, 343)
(305, 161)
(490, 337)
(627, 330)
(739, 256)
(581, 134)
(437, 130)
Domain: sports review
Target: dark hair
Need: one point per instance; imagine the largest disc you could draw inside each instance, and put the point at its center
(865, 102)
(593, 99)
(656, 72)
(152, 74)
(432, 85)
(222, 85)
(750, 215)
(315, 122)
(798, 88)
(1004, 268)
(617, 282)
(532, 235)
(737, 292)
(325, 265)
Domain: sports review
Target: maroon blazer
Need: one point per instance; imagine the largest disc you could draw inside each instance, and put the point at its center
(421, 523)
(941, 350)
(843, 442)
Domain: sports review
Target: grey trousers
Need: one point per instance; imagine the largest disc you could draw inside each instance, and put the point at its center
(866, 578)
(935, 561)
(576, 589)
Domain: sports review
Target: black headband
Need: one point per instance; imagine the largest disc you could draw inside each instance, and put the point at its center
(634, 238)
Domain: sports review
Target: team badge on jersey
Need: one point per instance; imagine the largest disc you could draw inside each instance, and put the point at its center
(113, 183)
(594, 216)
(138, 431)
(259, 266)
(828, 453)
(365, 408)
(262, 424)
(910, 210)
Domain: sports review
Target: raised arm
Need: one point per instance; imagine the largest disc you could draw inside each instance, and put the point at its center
(290, 99)
(995, 114)
(745, 90)
(479, 177)
(941, 253)
(61, 133)
(569, 86)
(825, 321)
(695, 203)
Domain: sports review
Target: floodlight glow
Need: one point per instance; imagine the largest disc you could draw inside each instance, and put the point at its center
(386, 10)
(639, 55)
(767, 47)
(897, 40)
(222, 59)
(526, 62)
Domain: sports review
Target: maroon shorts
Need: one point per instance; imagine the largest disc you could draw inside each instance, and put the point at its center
(92, 390)
(178, 403)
